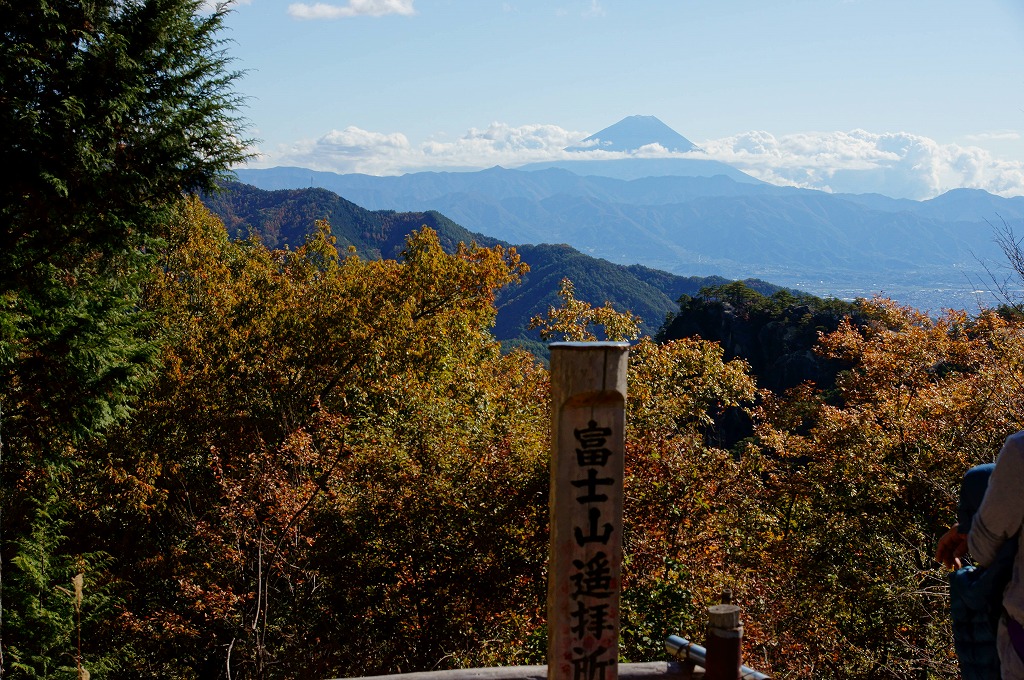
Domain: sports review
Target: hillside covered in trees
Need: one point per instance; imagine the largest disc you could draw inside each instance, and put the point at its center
(223, 458)
(286, 218)
(335, 443)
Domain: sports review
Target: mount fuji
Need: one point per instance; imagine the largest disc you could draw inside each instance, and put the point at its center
(630, 140)
(693, 216)
(633, 133)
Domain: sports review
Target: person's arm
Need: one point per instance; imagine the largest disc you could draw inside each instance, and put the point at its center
(952, 546)
(1002, 509)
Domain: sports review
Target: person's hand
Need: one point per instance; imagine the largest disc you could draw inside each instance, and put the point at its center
(952, 546)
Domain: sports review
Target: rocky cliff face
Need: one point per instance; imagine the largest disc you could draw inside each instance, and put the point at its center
(778, 345)
(776, 338)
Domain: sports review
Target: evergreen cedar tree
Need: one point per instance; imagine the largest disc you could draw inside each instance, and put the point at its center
(111, 111)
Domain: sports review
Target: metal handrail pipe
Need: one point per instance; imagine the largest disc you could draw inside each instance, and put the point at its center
(681, 648)
(655, 670)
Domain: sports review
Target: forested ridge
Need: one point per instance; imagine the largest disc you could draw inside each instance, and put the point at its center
(285, 218)
(225, 459)
(331, 443)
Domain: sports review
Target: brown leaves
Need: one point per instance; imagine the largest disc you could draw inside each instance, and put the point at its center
(306, 394)
(859, 482)
(338, 444)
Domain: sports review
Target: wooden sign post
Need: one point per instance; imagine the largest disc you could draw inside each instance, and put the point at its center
(588, 399)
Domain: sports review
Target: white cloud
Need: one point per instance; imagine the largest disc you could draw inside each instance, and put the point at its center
(348, 150)
(897, 164)
(357, 150)
(354, 8)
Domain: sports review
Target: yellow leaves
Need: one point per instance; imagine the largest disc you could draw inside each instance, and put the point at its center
(367, 432)
(319, 251)
(275, 331)
(870, 472)
(682, 495)
(469, 278)
(919, 377)
(308, 394)
(577, 321)
(680, 385)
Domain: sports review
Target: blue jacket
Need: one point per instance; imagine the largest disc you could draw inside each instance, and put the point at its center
(976, 595)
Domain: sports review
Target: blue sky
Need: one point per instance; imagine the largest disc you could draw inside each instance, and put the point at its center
(911, 96)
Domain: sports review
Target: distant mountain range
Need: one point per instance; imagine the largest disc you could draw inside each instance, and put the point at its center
(286, 217)
(693, 216)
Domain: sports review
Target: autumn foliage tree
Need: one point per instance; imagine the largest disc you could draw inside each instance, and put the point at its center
(332, 444)
(681, 491)
(854, 486)
(337, 444)
(575, 320)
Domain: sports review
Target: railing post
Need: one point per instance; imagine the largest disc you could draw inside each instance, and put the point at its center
(688, 652)
(588, 397)
(724, 643)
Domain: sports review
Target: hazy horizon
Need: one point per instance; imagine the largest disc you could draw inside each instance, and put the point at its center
(914, 98)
